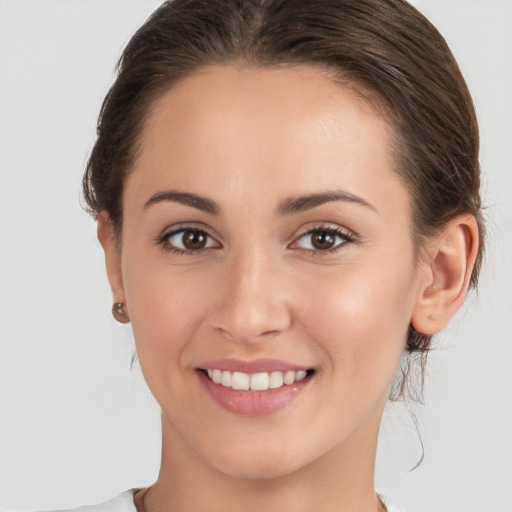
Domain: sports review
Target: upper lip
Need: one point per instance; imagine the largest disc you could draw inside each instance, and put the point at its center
(254, 366)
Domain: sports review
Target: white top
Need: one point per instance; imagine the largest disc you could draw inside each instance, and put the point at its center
(121, 503)
(124, 503)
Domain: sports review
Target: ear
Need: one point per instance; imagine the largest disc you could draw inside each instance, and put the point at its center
(112, 256)
(448, 261)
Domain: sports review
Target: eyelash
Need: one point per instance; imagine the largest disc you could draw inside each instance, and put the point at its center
(347, 238)
(163, 241)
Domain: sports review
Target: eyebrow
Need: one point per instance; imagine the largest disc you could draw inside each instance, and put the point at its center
(304, 203)
(287, 207)
(186, 198)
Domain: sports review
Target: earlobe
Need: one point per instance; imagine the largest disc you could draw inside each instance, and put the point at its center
(109, 243)
(450, 258)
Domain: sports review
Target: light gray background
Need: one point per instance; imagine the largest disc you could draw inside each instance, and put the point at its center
(76, 425)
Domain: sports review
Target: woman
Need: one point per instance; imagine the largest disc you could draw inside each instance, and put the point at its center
(287, 194)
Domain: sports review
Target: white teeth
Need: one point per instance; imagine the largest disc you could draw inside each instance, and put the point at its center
(240, 381)
(259, 382)
(276, 380)
(226, 379)
(300, 375)
(289, 378)
(256, 381)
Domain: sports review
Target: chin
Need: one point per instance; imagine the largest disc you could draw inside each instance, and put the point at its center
(251, 470)
(255, 462)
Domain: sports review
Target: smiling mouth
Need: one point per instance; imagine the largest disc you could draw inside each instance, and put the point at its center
(262, 381)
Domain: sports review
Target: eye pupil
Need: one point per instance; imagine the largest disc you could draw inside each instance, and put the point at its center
(194, 240)
(322, 240)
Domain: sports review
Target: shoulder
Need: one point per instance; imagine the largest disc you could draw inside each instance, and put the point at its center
(121, 503)
(390, 507)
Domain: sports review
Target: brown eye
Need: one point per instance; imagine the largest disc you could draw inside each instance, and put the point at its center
(323, 240)
(188, 240)
(194, 240)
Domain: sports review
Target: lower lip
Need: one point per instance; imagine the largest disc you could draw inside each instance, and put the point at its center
(252, 403)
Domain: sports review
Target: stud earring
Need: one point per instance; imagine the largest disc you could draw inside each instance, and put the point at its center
(119, 313)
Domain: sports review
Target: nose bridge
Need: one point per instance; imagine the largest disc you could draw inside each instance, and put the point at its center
(252, 303)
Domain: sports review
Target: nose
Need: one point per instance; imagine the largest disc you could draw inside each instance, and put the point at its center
(252, 303)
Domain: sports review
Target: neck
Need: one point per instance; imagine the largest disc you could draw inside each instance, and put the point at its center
(341, 479)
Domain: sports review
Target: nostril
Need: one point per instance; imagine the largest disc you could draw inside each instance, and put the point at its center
(270, 333)
(247, 318)
(246, 333)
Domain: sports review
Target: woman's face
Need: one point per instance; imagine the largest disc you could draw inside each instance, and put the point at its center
(266, 233)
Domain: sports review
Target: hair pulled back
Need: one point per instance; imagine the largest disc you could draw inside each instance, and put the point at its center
(383, 49)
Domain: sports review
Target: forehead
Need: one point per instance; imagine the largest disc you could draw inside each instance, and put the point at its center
(246, 129)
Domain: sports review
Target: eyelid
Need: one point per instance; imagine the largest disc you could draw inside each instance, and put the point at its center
(173, 234)
(348, 236)
(163, 239)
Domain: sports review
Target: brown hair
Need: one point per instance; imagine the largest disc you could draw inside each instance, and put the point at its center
(384, 49)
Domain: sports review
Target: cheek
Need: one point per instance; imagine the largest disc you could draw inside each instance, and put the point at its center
(165, 308)
(360, 317)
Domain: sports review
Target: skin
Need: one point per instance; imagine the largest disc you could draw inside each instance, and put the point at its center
(250, 140)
